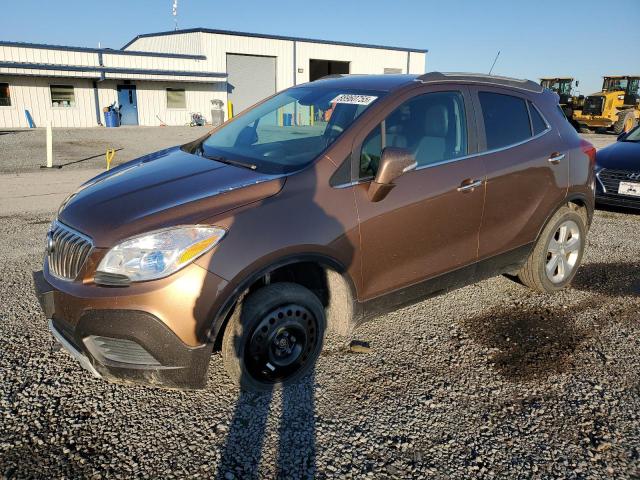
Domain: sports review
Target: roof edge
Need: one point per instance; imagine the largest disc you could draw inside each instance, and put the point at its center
(272, 37)
(104, 51)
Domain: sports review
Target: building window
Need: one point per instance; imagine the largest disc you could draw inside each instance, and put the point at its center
(176, 98)
(5, 98)
(62, 96)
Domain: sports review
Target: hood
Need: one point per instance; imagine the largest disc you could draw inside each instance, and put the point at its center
(619, 156)
(170, 187)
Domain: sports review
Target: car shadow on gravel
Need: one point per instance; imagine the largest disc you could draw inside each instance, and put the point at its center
(529, 343)
(611, 279)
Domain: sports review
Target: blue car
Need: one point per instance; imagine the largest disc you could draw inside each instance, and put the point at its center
(618, 171)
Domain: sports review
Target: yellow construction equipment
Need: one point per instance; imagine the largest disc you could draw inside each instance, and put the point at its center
(563, 86)
(616, 107)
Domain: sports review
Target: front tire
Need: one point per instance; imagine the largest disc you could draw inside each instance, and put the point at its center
(557, 254)
(274, 336)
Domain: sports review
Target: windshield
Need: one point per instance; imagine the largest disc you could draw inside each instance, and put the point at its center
(614, 84)
(633, 136)
(558, 86)
(288, 131)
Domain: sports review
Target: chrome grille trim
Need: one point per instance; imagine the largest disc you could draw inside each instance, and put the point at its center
(610, 179)
(67, 251)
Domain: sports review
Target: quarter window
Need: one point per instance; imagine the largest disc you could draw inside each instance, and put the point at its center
(62, 96)
(506, 120)
(431, 126)
(537, 122)
(176, 98)
(5, 97)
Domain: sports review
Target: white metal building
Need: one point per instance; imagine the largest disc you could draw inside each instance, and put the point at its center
(161, 78)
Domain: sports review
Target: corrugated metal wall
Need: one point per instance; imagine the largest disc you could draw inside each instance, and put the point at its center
(33, 94)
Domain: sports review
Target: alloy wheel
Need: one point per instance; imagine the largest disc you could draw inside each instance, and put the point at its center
(563, 252)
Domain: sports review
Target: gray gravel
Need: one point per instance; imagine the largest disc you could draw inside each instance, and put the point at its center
(488, 381)
(25, 149)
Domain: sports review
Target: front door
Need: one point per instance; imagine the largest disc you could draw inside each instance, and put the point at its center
(428, 224)
(128, 101)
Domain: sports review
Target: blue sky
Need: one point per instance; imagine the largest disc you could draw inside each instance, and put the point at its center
(584, 39)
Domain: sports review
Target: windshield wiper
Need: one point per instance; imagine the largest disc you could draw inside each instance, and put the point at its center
(236, 163)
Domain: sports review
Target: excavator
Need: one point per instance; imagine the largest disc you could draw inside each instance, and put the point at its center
(616, 107)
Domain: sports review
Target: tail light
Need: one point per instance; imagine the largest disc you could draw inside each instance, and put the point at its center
(588, 149)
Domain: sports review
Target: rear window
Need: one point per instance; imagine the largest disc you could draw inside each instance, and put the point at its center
(506, 120)
(537, 122)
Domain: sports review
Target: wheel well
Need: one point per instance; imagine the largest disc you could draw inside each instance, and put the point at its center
(332, 288)
(578, 205)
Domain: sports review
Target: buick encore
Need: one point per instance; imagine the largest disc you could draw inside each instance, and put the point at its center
(324, 205)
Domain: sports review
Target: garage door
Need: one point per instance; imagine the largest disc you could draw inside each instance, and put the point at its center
(251, 78)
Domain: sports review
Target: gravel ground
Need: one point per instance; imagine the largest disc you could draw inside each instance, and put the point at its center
(489, 381)
(25, 150)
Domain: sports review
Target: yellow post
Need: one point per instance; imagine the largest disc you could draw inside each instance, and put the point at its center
(229, 110)
(311, 120)
(109, 156)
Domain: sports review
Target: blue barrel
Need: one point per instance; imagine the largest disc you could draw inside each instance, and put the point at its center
(111, 119)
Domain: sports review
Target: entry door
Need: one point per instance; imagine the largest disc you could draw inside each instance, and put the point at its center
(428, 225)
(251, 78)
(128, 101)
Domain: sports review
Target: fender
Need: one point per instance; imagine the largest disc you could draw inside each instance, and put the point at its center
(220, 316)
(569, 198)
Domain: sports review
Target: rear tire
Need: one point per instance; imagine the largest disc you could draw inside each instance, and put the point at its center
(557, 254)
(626, 121)
(274, 336)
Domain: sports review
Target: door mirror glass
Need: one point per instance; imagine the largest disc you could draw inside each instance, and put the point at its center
(394, 162)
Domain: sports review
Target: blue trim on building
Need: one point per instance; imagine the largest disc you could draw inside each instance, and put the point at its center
(272, 37)
(102, 70)
(104, 51)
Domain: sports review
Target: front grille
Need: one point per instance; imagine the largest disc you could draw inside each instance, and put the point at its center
(611, 179)
(593, 105)
(67, 251)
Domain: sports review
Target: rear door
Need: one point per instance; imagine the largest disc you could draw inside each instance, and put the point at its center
(428, 225)
(527, 168)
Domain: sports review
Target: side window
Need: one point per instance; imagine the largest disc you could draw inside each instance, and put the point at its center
(506, 120)
(431, 126)
(537, 122)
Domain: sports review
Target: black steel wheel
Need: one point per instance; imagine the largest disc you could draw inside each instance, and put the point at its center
(274, 336)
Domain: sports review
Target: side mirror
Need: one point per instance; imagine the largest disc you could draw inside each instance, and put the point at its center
(393, 163)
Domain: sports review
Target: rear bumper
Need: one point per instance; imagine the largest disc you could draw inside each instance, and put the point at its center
(124, 345)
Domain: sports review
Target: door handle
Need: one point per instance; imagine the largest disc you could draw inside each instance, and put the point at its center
(469, 185)
(556, 158)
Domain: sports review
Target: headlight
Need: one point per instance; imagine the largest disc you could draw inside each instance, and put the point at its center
(160, 253)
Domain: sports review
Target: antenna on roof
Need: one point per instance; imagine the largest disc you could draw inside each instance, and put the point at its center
(493, 64)
(174, 12)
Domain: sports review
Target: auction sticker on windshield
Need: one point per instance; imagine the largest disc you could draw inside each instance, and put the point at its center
(354, 99)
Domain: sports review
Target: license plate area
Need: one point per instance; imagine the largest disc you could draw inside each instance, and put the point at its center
(629, 188)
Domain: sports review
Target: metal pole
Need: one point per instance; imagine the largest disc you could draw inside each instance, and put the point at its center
(49, 145)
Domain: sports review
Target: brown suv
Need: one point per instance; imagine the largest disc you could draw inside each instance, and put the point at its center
(322, 206)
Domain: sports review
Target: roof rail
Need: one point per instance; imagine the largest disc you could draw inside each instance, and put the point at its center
(438, 77)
